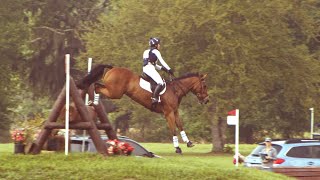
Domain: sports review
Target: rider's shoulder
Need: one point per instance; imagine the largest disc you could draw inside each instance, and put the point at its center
(156, 51)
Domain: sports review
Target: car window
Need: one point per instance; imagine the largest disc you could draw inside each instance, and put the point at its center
(299, 152)
(259, 148)
(305, 152)
(315, 150)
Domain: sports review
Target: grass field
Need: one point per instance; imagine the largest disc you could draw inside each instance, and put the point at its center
(195, 163)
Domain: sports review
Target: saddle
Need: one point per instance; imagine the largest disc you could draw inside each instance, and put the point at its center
(148, 84)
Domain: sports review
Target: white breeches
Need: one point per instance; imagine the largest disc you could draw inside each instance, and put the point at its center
(151, 71)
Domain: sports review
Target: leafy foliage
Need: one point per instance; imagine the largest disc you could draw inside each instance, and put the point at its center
(34, 38)
(12, 42)
(258, 60)
(261, 57)
(55, 30)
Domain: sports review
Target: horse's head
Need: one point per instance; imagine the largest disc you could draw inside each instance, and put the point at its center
(200, 89)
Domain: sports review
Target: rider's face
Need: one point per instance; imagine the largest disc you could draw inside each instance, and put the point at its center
(158, 46)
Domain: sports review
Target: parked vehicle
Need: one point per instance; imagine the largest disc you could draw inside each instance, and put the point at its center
(291, 153)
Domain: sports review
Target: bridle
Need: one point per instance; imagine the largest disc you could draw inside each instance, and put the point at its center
(182, 87)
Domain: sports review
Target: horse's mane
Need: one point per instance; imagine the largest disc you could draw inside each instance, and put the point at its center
(187, 75)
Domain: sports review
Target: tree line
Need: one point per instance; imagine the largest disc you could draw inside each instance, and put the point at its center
(261, 57)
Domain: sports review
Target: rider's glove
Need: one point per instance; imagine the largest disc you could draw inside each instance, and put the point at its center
(170, 72)
(164, 69)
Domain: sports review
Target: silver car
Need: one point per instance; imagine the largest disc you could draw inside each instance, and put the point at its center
(291, 153)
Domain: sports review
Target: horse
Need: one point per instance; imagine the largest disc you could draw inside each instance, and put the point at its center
(74, 115)
(119, 81)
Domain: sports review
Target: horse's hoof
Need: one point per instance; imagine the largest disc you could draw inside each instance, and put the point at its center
(190, 144)
(178, 150)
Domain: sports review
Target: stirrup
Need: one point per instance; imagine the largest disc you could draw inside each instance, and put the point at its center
(154, 103)
(154, 100)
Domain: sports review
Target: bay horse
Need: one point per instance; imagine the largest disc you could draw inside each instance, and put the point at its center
(118, 81)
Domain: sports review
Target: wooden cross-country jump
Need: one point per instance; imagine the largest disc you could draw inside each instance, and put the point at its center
(86, 123)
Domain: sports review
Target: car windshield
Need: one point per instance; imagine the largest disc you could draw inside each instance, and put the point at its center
(259, 148)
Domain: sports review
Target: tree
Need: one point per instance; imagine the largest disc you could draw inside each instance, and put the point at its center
(257, 59)
(12, 48)
(56, 27)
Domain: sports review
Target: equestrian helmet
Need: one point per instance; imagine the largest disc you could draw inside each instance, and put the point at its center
(154, 41)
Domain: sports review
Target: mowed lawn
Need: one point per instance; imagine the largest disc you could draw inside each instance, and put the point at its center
(195, 163)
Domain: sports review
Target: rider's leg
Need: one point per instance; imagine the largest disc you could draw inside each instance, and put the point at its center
(152, 72)
(155, 95)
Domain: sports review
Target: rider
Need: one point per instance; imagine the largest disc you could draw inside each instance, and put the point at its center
(150, 58)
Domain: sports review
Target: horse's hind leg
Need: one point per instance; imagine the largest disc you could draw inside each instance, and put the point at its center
(172, 126)
(182, 132)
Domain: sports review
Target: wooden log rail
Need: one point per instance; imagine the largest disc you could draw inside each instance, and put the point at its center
(79, 125)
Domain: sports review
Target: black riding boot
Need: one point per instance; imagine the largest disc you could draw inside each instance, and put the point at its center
(155, 95)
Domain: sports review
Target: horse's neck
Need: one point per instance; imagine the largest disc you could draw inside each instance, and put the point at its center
(183, 86)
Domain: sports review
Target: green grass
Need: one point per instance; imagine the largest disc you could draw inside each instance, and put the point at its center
(195, 163)
(167, 149)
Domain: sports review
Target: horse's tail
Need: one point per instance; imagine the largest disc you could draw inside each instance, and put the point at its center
(95, 74)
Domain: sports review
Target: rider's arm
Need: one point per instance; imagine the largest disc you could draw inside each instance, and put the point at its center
(163, 63)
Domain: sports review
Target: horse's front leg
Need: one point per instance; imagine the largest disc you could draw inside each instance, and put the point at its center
(108, 91)
(182, 132)
(170, 117)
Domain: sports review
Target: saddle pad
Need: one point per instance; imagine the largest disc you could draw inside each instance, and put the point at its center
(146, 86)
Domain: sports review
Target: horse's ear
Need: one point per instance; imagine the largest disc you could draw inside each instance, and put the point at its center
(204, 76)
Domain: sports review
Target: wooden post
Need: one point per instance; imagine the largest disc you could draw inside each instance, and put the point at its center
(102, 115)
(82, 109)
(66, 135)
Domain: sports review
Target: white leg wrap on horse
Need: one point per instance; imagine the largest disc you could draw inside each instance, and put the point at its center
(184, 136)
(175, 141)
(96, 98)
